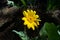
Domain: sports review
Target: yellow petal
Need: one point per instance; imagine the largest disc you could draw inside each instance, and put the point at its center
(31, 11)
(28, 26)
(25, 13)
(23, 18)
(33, 27)
(38, 20)
(37, 23)
(25, 23)
(36, 16)
(28, 10)
(31, 19)
(34, 24)
(34, 12)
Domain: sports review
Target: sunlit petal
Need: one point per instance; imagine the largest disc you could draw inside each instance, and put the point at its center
(31, 19)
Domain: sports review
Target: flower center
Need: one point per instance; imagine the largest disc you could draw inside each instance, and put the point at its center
(30, 19)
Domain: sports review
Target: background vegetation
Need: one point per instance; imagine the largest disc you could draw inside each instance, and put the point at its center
(11, 24)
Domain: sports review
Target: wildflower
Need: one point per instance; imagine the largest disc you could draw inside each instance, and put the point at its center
(31, 19)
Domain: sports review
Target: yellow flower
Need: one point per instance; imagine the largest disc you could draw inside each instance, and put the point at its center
(31, 19)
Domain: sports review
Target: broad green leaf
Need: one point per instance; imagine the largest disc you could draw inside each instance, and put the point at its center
(51, 30)
(58, 27)
(43, 31)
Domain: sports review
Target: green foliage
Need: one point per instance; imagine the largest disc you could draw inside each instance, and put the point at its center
(23, 2)
(22, 35)
(52, 4)
(43, 33)
(51, 30)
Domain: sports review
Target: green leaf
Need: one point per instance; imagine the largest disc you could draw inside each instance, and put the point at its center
(51, 30)
(23, 2)
(43, 31)
(22, 35)
(58, 27)
(50, 5)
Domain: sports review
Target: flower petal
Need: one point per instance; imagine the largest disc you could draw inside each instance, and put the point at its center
(34, 12)
(23, 18)
(37, 23)
(28, 26)
(25, 13)
(34, 24)
(31, 19)
(33, 27)
(36, 16)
